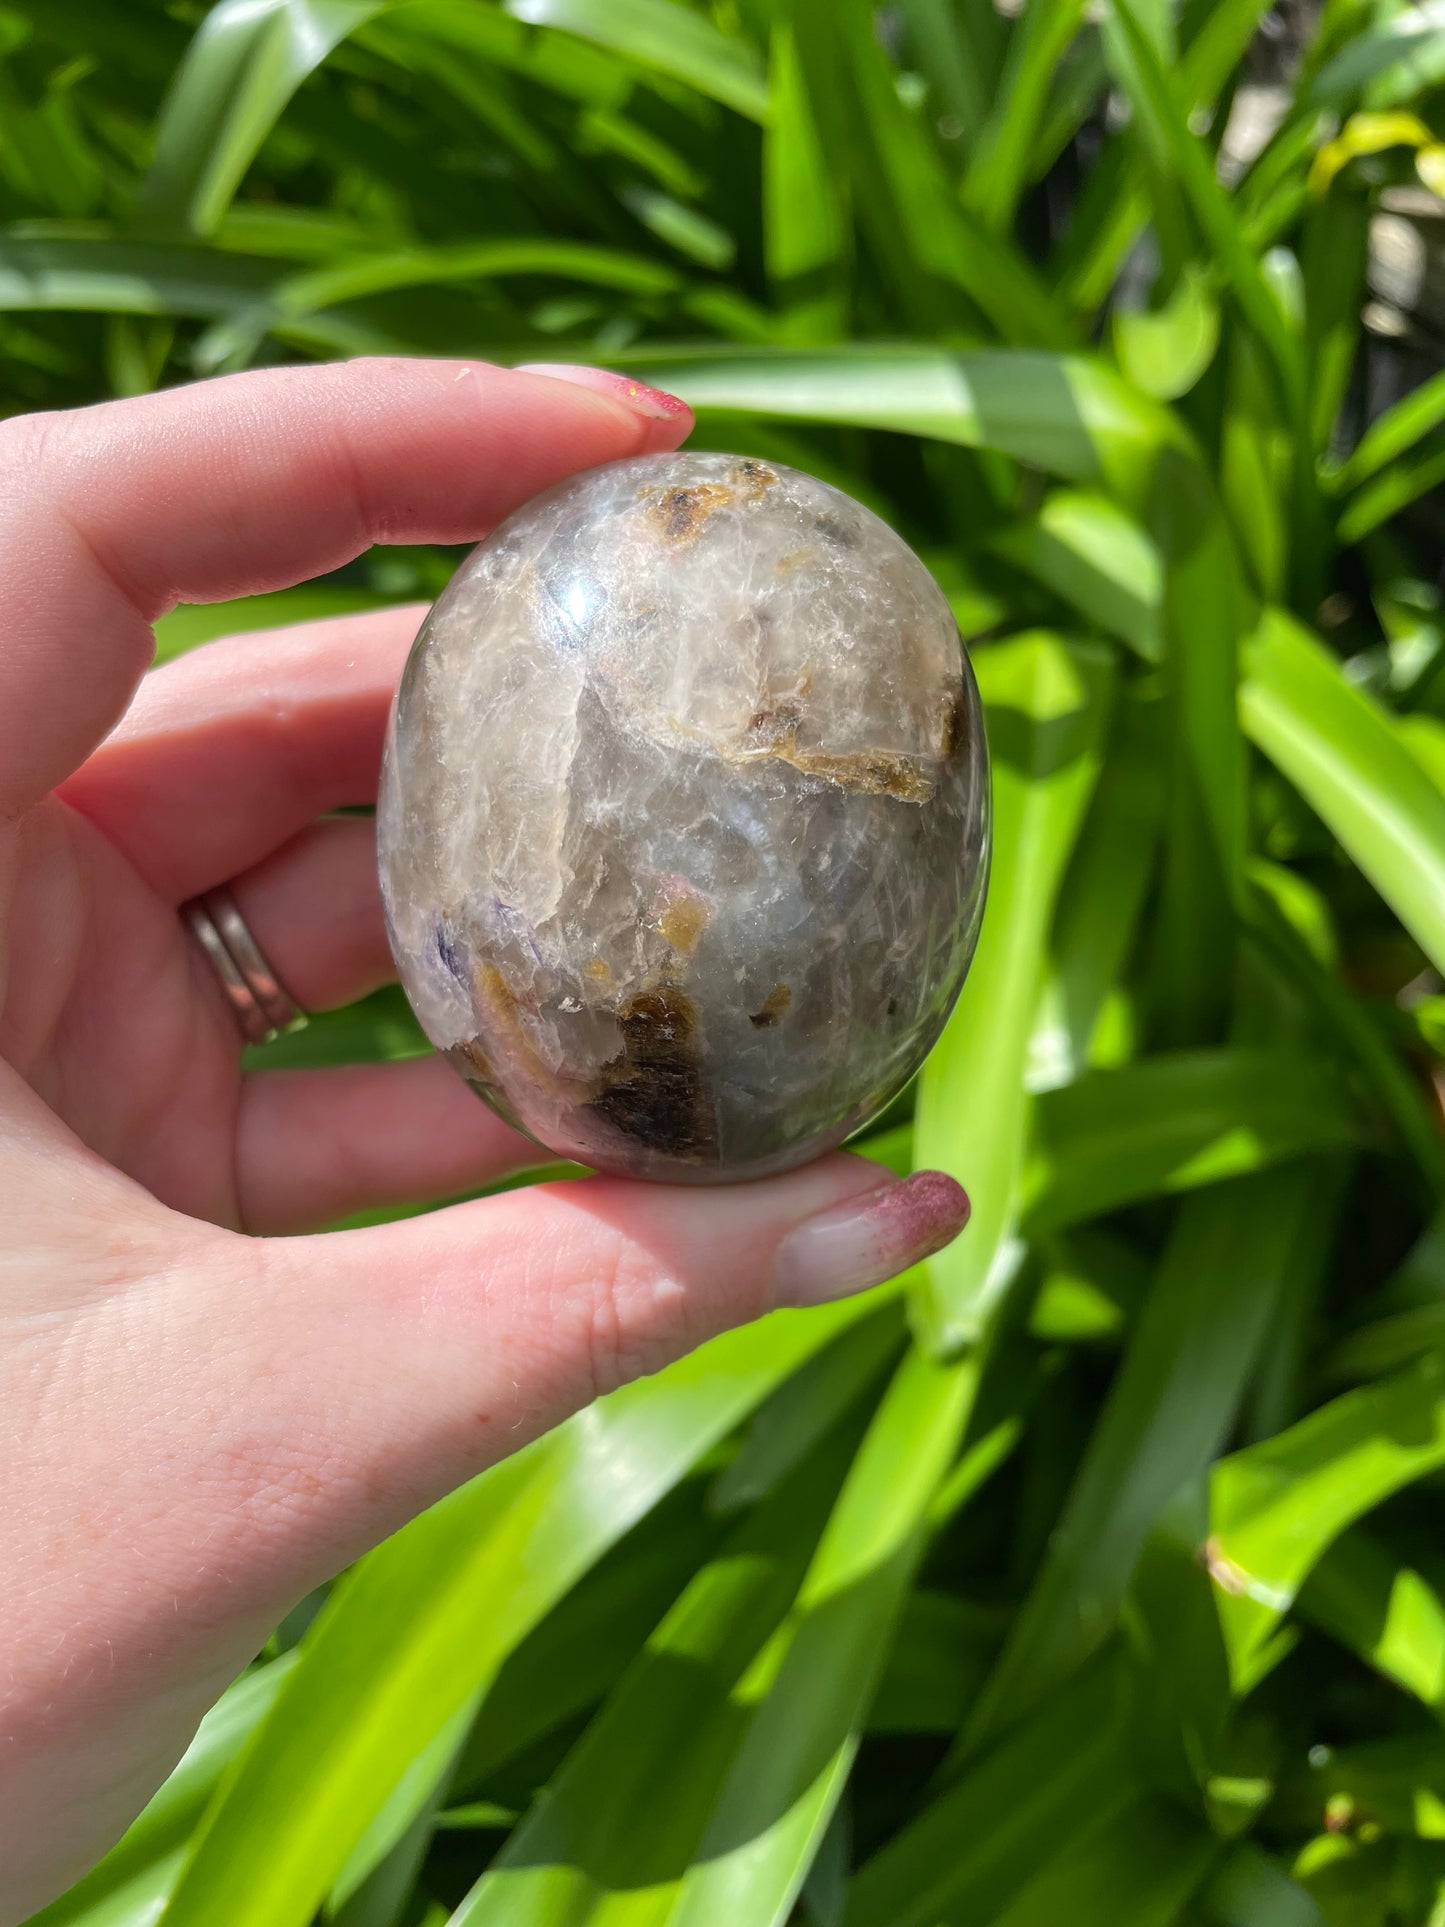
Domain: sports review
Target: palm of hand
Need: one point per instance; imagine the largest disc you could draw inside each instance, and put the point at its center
(108, 1016)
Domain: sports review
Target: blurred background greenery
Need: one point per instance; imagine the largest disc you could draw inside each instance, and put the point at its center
(1094, 1574)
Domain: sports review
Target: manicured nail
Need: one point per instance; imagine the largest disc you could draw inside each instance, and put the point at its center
(868, 1239)
(654, 403)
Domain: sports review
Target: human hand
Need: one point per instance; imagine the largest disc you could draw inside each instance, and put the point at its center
(206, 1418)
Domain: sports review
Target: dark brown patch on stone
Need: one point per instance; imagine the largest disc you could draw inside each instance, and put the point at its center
(654, 1090)
(773, 732)
(876, 772)
(678, 514)
(774, 1004)
(753, 477)
(774, 723)
(955, 723)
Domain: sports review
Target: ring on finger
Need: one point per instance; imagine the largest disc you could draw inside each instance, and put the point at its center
(260, 1002)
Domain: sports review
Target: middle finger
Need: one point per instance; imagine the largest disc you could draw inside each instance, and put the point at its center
(229, 751)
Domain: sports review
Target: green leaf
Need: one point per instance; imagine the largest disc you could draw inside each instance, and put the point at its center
(958, 49)
(790, 1770)
(1383, 1610)
(1336, 243)
(1174, 1122)
(805, 232)
(123, 277)
(1255, 462)
(573, 1659)
(1155, 97)
(682, 228)
(375, 1880)
(676, 40)
(473, 40)
(1135, 1869)
(1087, 550)
(912, 214)
(1165, 352)
(1172, 1403)
(1250, 1889)
(624, 1812)
(1398, 61)
(1202, 886)
(961, 1859)
(1046, 705)
(1344, 756)
(1404, 481)
(710, 1778)
(1387, 1343)
(424, 1622)
(1102, 900)
(789, 1424)
(1391, 435)
(135, 1879)
(1068, 414)
(998, 172)
(245, 63)
(942, 1651)
(1399, 1783)
(1361, 1043)
(1276, 1506)
(292, 302)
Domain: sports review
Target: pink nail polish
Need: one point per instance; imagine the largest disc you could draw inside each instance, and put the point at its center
(868, 1239)
(655, 403)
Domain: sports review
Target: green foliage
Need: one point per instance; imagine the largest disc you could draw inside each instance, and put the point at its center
(1093, 1572)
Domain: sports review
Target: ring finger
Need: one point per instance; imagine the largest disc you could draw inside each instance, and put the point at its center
(314, 909)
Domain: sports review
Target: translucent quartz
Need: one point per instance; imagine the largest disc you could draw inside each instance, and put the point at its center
(684, 817)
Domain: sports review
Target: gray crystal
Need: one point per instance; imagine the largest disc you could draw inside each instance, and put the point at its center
(684, 817)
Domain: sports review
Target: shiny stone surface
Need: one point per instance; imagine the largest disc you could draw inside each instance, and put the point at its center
(684, 817)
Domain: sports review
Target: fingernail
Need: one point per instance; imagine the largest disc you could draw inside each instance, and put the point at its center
(868, 1239)
(655, 403)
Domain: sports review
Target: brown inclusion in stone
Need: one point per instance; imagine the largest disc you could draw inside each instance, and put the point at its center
(775, 1003)
(655, 1091)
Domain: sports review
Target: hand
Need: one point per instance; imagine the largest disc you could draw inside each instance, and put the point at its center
(206, 1419)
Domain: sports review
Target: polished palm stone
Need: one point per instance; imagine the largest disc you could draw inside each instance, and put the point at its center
(684, 817)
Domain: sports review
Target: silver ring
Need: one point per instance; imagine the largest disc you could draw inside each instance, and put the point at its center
(260, 1002)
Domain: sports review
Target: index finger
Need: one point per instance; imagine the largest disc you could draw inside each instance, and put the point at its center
(111, 515)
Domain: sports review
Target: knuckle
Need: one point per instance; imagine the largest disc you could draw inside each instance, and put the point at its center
(634, 1314)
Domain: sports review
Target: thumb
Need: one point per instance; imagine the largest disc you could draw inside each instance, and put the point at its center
(409, 1356)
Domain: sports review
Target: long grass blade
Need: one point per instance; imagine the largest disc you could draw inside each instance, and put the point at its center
(1177, 1121)
(247, 60)
(1169, 1409)
(1047, 709)
(1277, 1506)
(677, 40)
(964, 1857)
(1343, 754)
